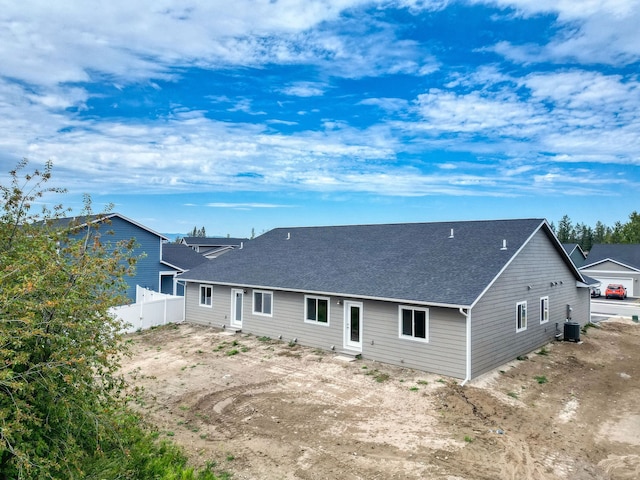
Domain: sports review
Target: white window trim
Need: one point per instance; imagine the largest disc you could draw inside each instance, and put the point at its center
(200, 296)
(526, 315)
(426, 323)
(253, 299)
(306, 313)
(542, 310)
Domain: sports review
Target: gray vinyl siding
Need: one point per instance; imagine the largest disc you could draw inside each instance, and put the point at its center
(493, 319)
(444, 353)
(607, 267)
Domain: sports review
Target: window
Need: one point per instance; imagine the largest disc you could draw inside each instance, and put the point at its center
(521, 316)
(316, 310)
(544, 309)
(262, 302)
(414, 323)
(206, 293)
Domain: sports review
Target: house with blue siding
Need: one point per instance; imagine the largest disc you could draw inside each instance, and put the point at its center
(452, 298)
(149, 245)
(576, 253)
(177, 258)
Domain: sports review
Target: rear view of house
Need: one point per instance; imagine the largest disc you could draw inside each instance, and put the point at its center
(454, 298)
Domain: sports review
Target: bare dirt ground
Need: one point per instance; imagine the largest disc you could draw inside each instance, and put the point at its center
(263, 409)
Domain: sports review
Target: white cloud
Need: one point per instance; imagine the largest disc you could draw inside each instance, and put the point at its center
(304, 89)
(46, 44)
(590, 31)
(387, 104)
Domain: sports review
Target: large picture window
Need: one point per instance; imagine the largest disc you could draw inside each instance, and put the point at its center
(262, 303)
(316, 310)
(206, 295)
(544, 309)
(521, 316)
(414, 323)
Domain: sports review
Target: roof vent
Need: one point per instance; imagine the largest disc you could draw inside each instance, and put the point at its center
(288, 235)
(451, 234)
(504, 244)
(241, 245)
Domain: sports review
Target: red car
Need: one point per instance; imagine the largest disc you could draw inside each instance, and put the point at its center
(614, 290)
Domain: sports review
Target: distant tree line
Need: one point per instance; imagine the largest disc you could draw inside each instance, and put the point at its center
(587, 236)
(197, 232)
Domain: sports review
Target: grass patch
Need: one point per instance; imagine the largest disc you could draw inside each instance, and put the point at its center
(541, 379)
(233, 352)
(414, 389)
(468, 439)
(522, 358)
(264, 339)
(513, 395)
(422, 382)
(378, 376)
(543, 351)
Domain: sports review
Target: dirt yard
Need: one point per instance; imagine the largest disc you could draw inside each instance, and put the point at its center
(263, 409)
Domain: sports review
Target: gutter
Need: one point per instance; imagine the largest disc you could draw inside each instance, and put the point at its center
(467, 315)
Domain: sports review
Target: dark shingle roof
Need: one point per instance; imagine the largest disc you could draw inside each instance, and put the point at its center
(627, 254)
(413, 262)
(181, 256)
(214, 241)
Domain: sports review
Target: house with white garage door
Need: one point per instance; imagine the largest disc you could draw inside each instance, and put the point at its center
(453, 298)
(615, 264)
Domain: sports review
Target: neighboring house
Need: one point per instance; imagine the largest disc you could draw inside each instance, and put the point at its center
(177, 258)
(114, 227)
(453, 298)
(615, 263)
(213, 247)
(575, 252)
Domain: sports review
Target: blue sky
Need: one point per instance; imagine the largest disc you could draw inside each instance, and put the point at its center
(249, 115)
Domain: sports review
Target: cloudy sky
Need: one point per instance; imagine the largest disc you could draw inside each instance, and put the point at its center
(255, 114)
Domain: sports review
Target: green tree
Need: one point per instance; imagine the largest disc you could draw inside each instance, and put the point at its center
(197, 232)
(59, 345)
(565, 231)
(631, 230)
(599, 232)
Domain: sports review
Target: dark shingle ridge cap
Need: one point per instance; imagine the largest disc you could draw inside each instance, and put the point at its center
(397, 224)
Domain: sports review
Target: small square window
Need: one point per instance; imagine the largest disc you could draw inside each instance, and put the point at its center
(414, 323)
(206, 295)
(262, 303)
(317, 310)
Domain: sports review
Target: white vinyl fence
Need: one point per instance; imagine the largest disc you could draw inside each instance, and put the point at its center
(151, 309)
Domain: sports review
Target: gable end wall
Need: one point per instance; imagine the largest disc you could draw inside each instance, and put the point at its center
(493, 319)
(148, 268)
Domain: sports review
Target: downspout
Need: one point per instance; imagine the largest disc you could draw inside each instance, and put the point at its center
(184, 304)
(467, 316)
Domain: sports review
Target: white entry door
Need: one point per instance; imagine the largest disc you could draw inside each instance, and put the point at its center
(237, 300)
(353, 326)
